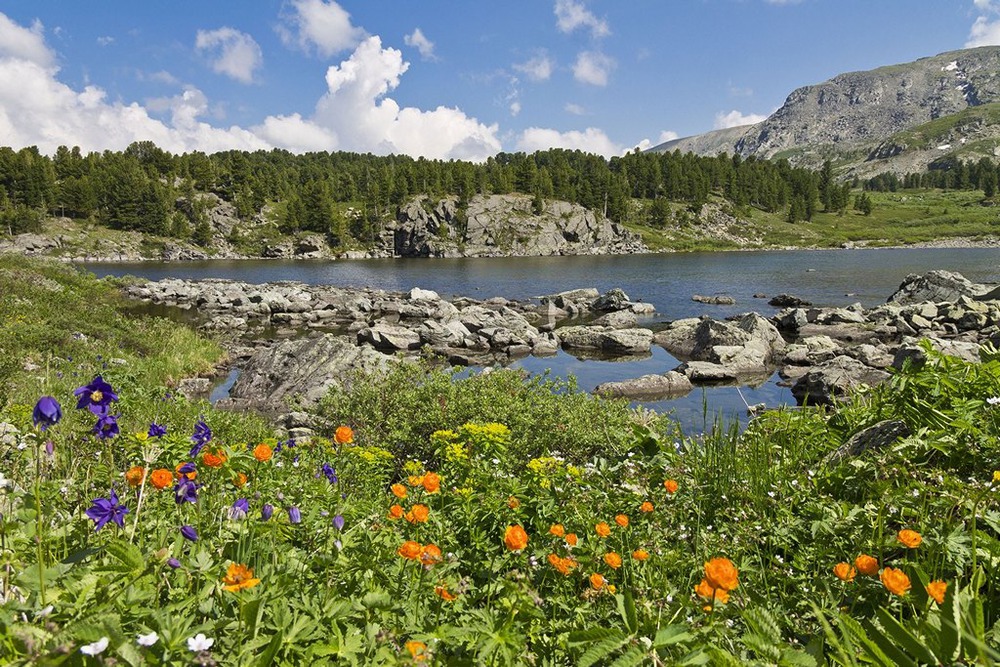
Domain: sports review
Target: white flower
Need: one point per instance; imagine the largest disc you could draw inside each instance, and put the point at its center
(96, 648)
(993, 400)
(148, 640)
(199, 643)
(44, 611)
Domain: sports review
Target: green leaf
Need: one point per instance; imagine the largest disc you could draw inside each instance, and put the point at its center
(905, 638)
(592, 635)
(634, 656)
(950, 637)
(672, 634)
(127, 555)
(626, 607)
(267, 657)
(600, 652)
(793, 658)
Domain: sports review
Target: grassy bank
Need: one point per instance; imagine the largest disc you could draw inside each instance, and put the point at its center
(425, 531)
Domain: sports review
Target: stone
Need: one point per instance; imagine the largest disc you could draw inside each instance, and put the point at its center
(613, 299)
(620, 341)
(831, 380)
(390, 338)
(720, 300)
(787, 301)
(417, 294)
(620, 319)
(670, 384)
(873, 438)
(937, 287)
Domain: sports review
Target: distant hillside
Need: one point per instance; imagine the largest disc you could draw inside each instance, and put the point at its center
(897, 118)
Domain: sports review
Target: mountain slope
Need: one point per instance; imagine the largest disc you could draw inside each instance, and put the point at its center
(851, 117)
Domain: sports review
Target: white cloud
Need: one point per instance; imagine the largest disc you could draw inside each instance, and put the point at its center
(593, 67)
(538, 68)
(356, 114)
(591, 140)
(571, 14)
(735, 118)
(105, 41)
(515, 108)
(163, 76)
(24, 43)
(325, 26)
(575, 109)
(983, 33)
(419, 41)
(665, 136)
(234, 53)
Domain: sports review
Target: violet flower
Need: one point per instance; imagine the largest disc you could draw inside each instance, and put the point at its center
(47, 412)
(106, 426)
(107, 509)
(202, 435)
(266, 511)
(96, 396)
(189, 533)
(331, 474)
(239, 509)
(185, 491)
(338, 522)
(156, 430)
(294, 515)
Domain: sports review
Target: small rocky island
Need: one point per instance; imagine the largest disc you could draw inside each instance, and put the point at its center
(317, 334)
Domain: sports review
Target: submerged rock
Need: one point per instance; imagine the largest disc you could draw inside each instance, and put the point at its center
(667, 385)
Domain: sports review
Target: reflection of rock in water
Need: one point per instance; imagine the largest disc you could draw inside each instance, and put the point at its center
(587, 354)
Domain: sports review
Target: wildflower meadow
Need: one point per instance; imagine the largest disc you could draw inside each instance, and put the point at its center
(507, 525)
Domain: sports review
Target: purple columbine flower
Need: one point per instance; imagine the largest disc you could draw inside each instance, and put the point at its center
(106, 426)
(189, 533)
(107, 509)
(185, 491)
(331, 474)
(96, 396)
(266, 511)
(294, 515)
(239, 509)
(156, 430)
(173, 563)
(200, 438)
(47, 412)
(338, 522)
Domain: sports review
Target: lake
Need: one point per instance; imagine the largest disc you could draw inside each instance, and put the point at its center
(824, 277)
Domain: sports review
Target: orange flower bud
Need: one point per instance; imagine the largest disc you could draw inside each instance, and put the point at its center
(343, 435)
(670, 485)
(515, 538)
(134, 475)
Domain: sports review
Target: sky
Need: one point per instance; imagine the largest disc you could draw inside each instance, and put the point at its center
(443, 79)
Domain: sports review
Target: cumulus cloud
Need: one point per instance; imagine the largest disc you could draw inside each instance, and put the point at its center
(320, 25)
(593, 67)
(24, 43)
(538, 68)
(233, 53)
(984, 32)
(736, 118)
(419, 41)
(574, 109)
(665, 136)
(571, 14)
(355, 114)
(591, 140)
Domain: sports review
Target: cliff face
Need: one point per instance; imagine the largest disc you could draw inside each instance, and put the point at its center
(503, 225)
(855, 114)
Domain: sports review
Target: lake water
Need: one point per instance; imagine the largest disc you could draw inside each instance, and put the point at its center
(824, 277)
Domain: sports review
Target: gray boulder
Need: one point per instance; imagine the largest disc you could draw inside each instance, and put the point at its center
(613, 299)
(389, 338)
(936, 286)
(620, 319)
(669, 384)
(621, 341)
(831, 380)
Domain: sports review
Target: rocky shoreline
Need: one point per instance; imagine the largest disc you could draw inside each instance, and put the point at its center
(293, 341)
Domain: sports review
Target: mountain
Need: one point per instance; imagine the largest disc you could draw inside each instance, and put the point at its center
(897, 118)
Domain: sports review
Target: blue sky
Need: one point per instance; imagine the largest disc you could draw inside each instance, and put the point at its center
(439, 78)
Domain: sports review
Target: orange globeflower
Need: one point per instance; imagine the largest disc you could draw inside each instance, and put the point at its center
(238, 577)
(263, 453)
(411, 550)
(395, 512)
(513, 503)
(613, 560)
(432, 482)
(415, 480)
(895, 581)
(431, 555)
(622, 520)
(443, 593)
(936, 589)
(597, 581)
(670, 485)
(214, 459)
(343, 435)
(562, 565)
(709, 592)
(240, 480)
(602, 529)
(721, 573)
(571, 539)
(398, 490)
(420, 513)
(557, 530)
(867, 565)
(515, 538)
(640, 554)
(161, 478)
(416, 650)
(189, 475)
(646, 507)
(134, 475)
(844, 571)
(910, 538)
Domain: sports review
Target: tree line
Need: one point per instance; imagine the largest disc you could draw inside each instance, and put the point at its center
(148, 189)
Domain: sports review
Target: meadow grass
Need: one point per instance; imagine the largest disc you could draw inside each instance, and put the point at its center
(484, 520)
